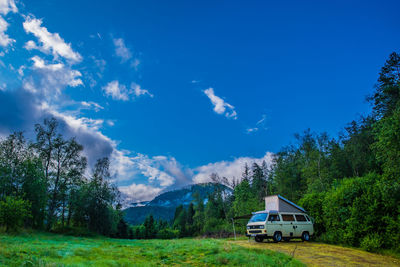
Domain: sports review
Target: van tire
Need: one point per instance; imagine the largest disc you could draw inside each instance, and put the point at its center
(305, 236)
(259, 239)
(277, 237)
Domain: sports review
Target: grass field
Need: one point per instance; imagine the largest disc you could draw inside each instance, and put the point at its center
(58, 250)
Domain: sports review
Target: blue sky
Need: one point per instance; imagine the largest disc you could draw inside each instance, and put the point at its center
(174, 90)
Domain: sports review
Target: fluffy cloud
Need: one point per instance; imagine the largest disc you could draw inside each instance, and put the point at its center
(121, 50)
(50, 42)
(120, 92)
(220, 106)
(229, 169)
(5, 40)
(6, 6)
(117, 91)
(50, 79)
(139, 192)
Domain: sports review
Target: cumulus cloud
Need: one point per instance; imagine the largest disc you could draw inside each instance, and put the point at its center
(6, 6)
(51, 43)
(50, 79)
(120, 92)
(220, 106)
(5, 40)
(229, 169)
(116, 90)
(121, 50)
(139, 192)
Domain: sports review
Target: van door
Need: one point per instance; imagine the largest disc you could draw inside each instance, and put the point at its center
(288, 225)
(274, 224)
(301, 225)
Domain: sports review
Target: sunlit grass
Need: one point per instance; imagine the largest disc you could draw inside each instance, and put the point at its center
(58, 250)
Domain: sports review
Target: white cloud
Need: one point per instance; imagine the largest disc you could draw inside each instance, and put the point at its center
(220, 106)
(121, 50)
(117, 91)
(50, 79)
(91, 105)
(3, 87)
(251, 130)
(260, 125)
(7, 6)
(138, 91)
(50, 42)
(5, 40)
(139, 192)
(21, 70)
(135, 63)
(228, 169)
(120, 92)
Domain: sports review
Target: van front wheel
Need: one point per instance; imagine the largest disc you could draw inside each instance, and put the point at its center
(305, 236)
(277, 237)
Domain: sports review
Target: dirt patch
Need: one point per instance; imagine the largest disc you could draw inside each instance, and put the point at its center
(317, 254)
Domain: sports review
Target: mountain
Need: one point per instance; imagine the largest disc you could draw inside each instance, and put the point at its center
(163, 206)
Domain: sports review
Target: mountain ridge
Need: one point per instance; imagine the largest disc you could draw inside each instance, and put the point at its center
(163, 206)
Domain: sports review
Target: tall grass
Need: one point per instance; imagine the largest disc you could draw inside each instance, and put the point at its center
(59, 250)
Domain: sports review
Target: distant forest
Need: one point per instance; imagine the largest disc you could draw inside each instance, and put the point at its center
(349, 184)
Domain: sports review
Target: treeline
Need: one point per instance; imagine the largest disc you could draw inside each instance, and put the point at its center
(213, 216)
(45, 185)
(350, 185)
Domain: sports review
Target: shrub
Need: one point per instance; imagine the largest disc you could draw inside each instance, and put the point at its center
(372, 242)
(168, 233)
(13, 212)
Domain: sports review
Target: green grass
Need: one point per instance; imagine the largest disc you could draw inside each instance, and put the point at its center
(59, 250)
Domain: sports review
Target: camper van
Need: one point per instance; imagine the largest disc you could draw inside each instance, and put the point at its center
(282, 220)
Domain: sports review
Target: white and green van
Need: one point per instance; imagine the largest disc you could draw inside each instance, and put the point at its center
(280, 225)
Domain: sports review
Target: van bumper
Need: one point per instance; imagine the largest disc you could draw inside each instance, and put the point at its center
(260, 235)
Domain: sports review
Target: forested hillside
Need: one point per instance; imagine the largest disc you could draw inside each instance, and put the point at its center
(163, 206)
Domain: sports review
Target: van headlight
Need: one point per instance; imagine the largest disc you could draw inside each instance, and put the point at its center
(261, 227)
(248, 227)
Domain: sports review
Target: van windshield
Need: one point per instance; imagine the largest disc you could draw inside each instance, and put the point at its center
(260, 217)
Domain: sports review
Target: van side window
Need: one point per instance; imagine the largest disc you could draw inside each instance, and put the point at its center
(308, 219)
(300, 218)
(273, 218)
(287, 217)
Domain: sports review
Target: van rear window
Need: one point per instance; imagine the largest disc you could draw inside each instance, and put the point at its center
(301, 218)
(287, 217)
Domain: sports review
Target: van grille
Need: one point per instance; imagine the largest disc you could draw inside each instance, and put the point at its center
(255, 231)
(256, 226)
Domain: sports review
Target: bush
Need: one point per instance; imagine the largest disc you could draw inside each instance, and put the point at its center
(13, 213)
(312, 203)
(372, 242)
(168, 233)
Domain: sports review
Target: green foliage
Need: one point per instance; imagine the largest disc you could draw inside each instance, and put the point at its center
(13, 213)
(313, 203)
(168, 233)
(372, 242)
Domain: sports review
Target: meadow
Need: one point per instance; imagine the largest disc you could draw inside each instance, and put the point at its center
(44, 249)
